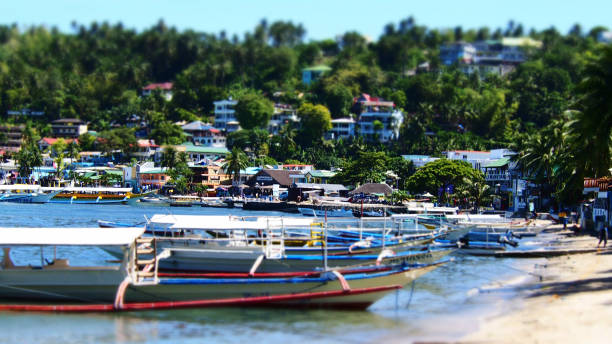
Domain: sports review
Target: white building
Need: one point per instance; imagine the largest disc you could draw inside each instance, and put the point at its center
(165, 88)
(374, 112)
(204, 134)
(343, 128)
(283, 114)
(225, 115)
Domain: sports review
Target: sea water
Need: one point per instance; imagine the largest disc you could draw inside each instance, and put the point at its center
(441, 305)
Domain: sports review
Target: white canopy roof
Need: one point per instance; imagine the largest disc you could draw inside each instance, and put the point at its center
(88, 189)
(69, 236)
(214, 222)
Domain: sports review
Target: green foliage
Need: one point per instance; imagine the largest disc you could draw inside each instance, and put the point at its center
(29, 155)
(315, 121)
(235, 162)
(253, 111)
(441, 173)
(369, 167)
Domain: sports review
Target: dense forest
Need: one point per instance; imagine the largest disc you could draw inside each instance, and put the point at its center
(545, 109)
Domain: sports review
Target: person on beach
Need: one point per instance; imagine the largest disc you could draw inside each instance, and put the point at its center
(603, 236)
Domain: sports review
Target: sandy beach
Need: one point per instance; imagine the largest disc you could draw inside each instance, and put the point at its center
(572, 303)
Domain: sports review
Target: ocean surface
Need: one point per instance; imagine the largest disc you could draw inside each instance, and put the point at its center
(442, 305)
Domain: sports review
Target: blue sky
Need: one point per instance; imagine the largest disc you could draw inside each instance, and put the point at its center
(321, 18)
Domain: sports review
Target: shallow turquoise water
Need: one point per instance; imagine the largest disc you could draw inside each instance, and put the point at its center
(441, 304)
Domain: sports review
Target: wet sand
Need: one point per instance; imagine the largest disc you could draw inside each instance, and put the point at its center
(571, 304)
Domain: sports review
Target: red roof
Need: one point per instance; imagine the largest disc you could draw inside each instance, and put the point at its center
(52, 140)
(366, 98)
(602, 183)
(162, 86)
(147, 143)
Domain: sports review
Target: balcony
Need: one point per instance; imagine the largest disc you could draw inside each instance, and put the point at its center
(497, 176)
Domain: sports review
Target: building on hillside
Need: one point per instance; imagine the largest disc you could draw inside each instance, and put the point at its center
(283, 114)
(297, 167)
(68, 127)
(319, 176)
(225, 115)
(46, 142)
(147, 149)
(311, 74)
(202, 154)
(457, 53)
(419, 160)
(342, 128)
(379, 121)
(11, 137)
(204, 134)
(488, 57)
(604, 37)
(165, 88)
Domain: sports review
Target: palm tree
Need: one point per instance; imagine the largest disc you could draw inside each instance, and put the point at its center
(237, 160)
(593, 125)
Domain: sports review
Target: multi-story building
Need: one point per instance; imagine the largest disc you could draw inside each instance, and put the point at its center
(459, 52)
(342, 128)
(225, 115)
(202, 154)
(11, 137)
(378, 118)
(204, 134)
(68, 127)
(146, 150)
(283, 114)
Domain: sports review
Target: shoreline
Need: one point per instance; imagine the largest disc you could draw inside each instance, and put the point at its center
(571, 303)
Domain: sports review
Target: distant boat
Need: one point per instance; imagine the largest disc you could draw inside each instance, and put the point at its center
(326, 212)
(25, 193)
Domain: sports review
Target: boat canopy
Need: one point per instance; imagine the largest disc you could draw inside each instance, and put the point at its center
(69, 236)
(203, 222)
(23, 187)
(86, 189)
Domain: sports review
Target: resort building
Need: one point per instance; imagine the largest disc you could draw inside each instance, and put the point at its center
(165, 88)
(202, 154)
(68, 127)
(459, 52)
(153, 178)
(342, 128)
(225, 115)
(379, 121)
(311, 74)
(269, 177)
(319, 176)
(595, 212)
(204, 134)
(211, 175)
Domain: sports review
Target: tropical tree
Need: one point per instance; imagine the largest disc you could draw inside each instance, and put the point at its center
(235, 162)
(369, 167)
(443, 176)
(169, 158)
(253, 110)
(476, 190)
(315, 121)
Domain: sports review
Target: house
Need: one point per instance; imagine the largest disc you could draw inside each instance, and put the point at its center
(311, 74)
(458, 52)
(379, 121)
(199, 154)
(204, 134)
(297, 167)
(165, 88)
(211, 175)
(12, 137)
(225, 115)
(283, 114)
(342, 128)
(146, 150)
(153, 178)
(419, 160)
(46, 142)
(306, 190)
(68, 127)
(319, 176)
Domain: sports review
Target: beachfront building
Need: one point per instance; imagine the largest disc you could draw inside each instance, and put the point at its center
(319, 176)
(165, 88)
(283, 114)
(68, 127)
(211, 175)
(152, 178)
(311, 74)
(342, 128)
(379, 121)
(225, 115)
(204, 134)
(269, 177)
(595, 211)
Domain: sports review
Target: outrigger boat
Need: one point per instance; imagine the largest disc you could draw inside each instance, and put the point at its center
(25, 193)
(134, 283)
(92, 195)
